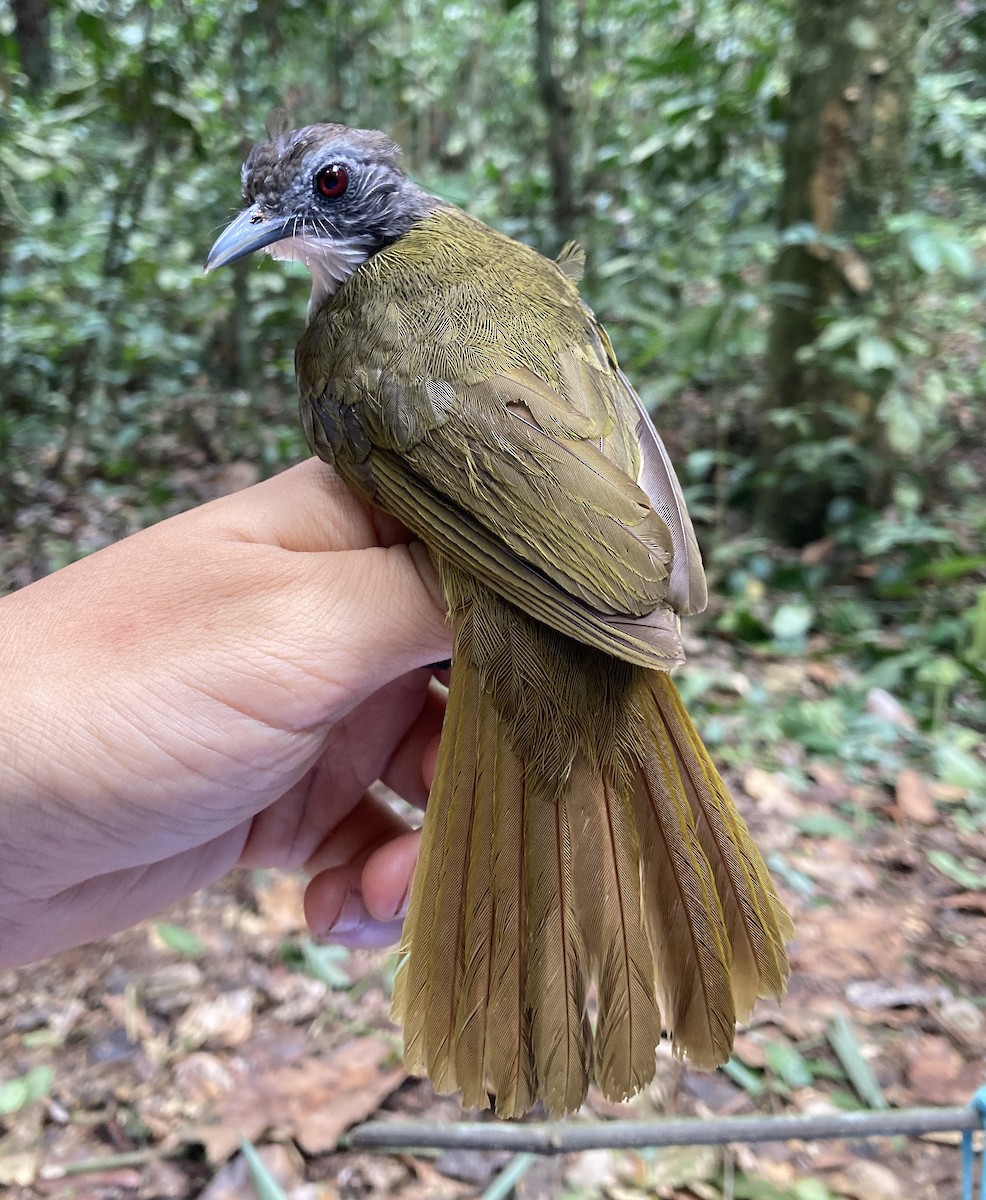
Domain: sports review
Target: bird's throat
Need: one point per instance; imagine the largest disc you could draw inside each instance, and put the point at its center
(330, 263)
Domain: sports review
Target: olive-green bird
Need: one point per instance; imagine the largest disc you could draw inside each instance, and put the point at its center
(578, 835)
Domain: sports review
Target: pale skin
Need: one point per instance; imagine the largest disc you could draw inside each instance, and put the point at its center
(217, 691)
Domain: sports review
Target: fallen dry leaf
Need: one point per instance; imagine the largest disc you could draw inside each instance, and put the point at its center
(772, 793)
(312, 1102)
(825, 673)
(966, 901)
(964, 1021)
(280, 898)
(223, 1020)
(864, 1180)
(880, 703)
(914, 800)
(936, 1070)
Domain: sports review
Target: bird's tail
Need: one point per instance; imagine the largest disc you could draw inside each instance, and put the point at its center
(636, 874)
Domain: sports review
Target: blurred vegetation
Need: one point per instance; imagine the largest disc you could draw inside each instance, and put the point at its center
(653, 132)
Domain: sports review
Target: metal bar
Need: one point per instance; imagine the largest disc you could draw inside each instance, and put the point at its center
(564, 1137)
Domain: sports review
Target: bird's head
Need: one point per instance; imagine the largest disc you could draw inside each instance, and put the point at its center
(326, 195)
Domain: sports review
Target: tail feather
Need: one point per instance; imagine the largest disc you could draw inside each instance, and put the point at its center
(682, 910)
(756, 922)
(509, 1049)
(428, 983)
(607, 864)
(413, 981)
(453, 916)
(557, 975)
(472, 1017)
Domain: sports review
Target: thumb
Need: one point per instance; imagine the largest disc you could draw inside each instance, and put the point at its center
(354, 620)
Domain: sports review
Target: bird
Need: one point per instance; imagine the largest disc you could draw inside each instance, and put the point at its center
(585, 883)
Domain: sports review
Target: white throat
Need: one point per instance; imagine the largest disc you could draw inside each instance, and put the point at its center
(330, 263)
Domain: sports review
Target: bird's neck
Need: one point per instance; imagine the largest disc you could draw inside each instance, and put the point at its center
(332, 261)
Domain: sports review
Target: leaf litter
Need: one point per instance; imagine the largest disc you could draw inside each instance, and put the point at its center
(135, 1068)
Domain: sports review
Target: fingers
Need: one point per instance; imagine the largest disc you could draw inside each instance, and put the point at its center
(412, 766)
(363, 904)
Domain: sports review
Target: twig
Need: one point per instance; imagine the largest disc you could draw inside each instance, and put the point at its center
(108, 1162)
(564, 1137)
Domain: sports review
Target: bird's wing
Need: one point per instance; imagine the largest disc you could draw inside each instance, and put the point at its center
(495, 422)
(518, 486)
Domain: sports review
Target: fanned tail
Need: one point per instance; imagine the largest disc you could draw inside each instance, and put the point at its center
(578, 835)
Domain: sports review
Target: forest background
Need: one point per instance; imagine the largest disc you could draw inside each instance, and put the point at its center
(783, 208)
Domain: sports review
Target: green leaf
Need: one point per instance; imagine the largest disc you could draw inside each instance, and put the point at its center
(956, 567)
(962, 872)
(791, 622)
(960, 767)
(957, 257)
(264, 1183)
(876, 353)
(787, 1064)
(904, 429)
(179, 939)
(16, 1094)
(842, 1039)
(925, 251)
(840, 333)
(823, 825)
(325, 962)
(750, 1081)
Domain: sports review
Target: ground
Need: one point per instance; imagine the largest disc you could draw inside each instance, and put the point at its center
(133, 1068)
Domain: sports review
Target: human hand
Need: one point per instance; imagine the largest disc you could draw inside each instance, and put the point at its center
(218, 690)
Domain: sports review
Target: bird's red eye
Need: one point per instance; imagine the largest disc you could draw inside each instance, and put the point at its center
(332, 181)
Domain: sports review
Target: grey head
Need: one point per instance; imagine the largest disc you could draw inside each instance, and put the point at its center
(326, 195)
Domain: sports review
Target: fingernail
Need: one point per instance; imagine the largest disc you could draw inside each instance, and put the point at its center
(351, 915)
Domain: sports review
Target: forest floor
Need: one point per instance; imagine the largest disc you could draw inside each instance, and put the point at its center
(134, 1069)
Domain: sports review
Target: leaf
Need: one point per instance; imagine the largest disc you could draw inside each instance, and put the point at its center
(787, 1064)
(876, 353)
(791, 622)
(840, 333)
(264, 1183)
(957, 257)
(842, 1039)
(750, 1081)
(325, 962)
(18, 1093)
(179, 939)
(903, 425)
(960, 871)
(914, 798)
(823, 825)
(925, 251)
(958, 766)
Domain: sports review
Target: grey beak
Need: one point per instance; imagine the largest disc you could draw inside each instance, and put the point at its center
(250, 231)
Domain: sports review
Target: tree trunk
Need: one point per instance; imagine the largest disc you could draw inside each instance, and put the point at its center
(32, 33)
(845, 159)
(560, 113)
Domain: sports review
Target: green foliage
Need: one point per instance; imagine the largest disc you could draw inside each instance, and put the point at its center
(18, 1093)
(127, 374)
(181, 940)
(325, 962)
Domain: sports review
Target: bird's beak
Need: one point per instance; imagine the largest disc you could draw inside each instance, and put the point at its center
(250, 231)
